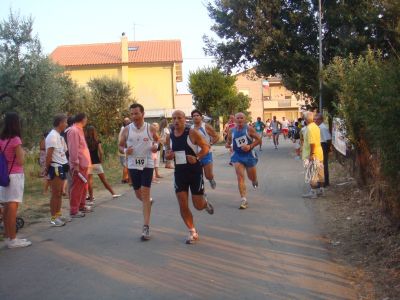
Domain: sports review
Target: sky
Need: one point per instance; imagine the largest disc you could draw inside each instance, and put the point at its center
(61, 22)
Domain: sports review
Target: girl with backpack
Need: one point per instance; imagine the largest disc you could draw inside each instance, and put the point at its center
(11, 194)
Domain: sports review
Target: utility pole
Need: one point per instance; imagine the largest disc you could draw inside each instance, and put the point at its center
(320, 55)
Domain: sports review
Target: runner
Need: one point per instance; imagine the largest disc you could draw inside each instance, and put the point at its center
(139, 140)
(188, 171)
(276, 126)
(211, 137)
(285, 127)
(244, 140)
(259, 126)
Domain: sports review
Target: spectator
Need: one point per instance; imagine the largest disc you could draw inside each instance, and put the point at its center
(156, 157)
(164, 133)
(42, 162)
(11, 195)
(326, 140)
(57, 168)
(79, 161)
(122, 156)
(96, 156)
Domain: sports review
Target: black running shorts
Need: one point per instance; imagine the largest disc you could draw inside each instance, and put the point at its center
(141, 177)
(185, 180)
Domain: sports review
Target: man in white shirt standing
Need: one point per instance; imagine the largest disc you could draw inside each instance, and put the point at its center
(285, 127)
(326, 140)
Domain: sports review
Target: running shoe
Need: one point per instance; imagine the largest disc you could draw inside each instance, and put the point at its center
(209, 208)
(65, 218)
(56, 222)
(243, 204)
(213, 184)
(116, 195)
(79, 214)
(146, 233)
(192, 237)
(18, 243)
(87, 209)
(255, 184)
(312, 194)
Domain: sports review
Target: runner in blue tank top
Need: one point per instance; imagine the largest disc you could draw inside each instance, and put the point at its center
(211, 138)
(243, 139)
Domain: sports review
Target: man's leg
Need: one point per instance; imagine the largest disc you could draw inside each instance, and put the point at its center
(75, 195)
(239, 168)
(325, 149)
(252, 175)
(85, 188)
(208, 171)
(186, 214)
(143, 194)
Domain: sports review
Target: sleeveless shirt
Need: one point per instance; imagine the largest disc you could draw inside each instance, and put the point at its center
(141, 141)
(240, 138)
(182, 146)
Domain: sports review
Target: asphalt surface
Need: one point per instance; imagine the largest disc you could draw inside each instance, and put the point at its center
(272, 250)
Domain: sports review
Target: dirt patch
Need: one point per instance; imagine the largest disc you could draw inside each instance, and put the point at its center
(361, 236)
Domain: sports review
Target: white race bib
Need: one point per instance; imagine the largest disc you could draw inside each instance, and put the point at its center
(241, 141)
(139, 162)
(180, 157)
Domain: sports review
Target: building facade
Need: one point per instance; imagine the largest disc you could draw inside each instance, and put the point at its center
(269, 97)
(150, 68)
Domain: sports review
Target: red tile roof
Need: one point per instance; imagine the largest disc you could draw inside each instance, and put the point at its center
(110, 53)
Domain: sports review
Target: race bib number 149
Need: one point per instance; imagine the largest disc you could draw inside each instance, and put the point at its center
(139, 162)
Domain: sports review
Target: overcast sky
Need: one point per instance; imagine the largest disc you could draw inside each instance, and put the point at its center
(62, 22)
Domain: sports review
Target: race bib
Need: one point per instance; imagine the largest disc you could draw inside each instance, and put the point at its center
(241, 141)
(180, 157)
(139, 162)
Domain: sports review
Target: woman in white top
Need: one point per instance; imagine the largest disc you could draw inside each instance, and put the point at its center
(57, 168)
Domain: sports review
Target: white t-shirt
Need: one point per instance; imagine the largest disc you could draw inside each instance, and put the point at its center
(56, 141)
(285, 124)
(325, 134)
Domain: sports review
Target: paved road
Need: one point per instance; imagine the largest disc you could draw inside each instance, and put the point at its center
(272, 250)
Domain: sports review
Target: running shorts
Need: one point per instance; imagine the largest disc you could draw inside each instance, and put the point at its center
(208, 159)
(141, 177)
(185, 180)
(285, 130)
(248, 159)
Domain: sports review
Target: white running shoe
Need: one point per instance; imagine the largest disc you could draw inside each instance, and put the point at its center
(57, 222)
(116, 195)
(243, 204)
(312, 194)
(192, 237)
(18, 243)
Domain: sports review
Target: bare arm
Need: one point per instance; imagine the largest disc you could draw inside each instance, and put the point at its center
(212, 133)
(20, 155)
(100, 151)
(122, 142)
(198, 140)
(49, 156)
(256, 139)
(156, 138)
(169, 154)
(229, 139)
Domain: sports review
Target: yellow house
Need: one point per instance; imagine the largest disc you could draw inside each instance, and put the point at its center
(150, 68)
(269, 97)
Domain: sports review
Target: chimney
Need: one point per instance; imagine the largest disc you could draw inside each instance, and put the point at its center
(124, 48)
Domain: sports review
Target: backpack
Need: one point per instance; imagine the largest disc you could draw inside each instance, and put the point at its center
(4, 172)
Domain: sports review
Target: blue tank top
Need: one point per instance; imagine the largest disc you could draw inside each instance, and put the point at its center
(240, 138)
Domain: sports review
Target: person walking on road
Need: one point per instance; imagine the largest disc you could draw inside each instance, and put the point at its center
(79, 162)
(57, 168)
(138, 141)
(313, 158)
(326, 140)
(188, 170)
(96, 156)
(244, 138)
(276, 129)
(259, 127)
(211, 137)
(11, 195)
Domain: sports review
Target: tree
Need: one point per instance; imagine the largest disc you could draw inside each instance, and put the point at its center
(281, 37)
(109, 101)
(215, 94)
(30, 83)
